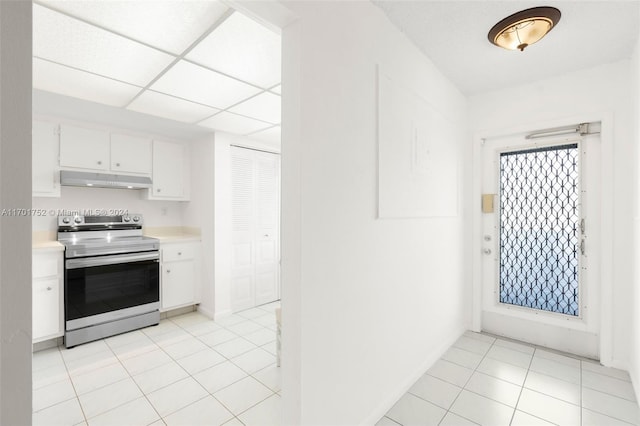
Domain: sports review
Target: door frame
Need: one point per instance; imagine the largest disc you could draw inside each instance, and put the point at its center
(606, 219)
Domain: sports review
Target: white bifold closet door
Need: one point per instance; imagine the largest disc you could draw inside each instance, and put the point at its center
(255, 252)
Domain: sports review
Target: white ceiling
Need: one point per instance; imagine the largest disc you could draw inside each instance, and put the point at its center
(193, 61)
(453, 34)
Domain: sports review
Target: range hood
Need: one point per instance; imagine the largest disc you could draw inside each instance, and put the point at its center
(103, 180)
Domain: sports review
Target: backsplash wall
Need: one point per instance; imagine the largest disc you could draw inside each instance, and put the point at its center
(155, 213)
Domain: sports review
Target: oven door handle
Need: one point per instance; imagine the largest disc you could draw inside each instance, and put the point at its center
(88, 262)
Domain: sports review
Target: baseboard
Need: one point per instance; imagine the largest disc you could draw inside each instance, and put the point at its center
(406, 384)
(47, 344)
(177, 311)
(222, 314)
(635, 382)
(206, 312)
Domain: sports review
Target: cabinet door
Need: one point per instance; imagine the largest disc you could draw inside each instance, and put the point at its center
(178, 284)
(130, 154)
(46, 307)
(84, 148)
(45, 179)
(168, 170)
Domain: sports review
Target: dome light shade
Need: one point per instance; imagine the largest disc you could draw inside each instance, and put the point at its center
(524, 28)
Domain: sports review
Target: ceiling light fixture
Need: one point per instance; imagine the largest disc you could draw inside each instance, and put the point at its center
(524, 28)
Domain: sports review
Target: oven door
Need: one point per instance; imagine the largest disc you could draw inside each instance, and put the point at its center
(106, 288)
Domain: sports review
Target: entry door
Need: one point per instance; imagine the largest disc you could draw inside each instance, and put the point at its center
(540, 257)
(255, 251)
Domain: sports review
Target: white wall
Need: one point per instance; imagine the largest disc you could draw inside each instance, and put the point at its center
(15, 231)
(200, 213)
(587, 93)
(155, 213)
(634, 364)
(373, 302)
(222, 218)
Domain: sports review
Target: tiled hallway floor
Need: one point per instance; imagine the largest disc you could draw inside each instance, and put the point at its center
(188, 370)
(493, 382)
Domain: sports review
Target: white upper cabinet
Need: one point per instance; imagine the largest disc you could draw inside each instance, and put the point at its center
(84, 148)
(170, 171)
(130, 154)
(45, 176)
(71, 147)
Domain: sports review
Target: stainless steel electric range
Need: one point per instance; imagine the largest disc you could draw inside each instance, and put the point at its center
(111, 276)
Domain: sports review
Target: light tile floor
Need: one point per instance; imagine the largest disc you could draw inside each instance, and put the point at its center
(188, 370)
(488, 381)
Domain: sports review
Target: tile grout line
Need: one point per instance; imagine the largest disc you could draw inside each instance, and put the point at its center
(77, 397)
(522, 386)
(581, 391)
(467, 382)
(235, 416)
(129, 375)
(86, 419)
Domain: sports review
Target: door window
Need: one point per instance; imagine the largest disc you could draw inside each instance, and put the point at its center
(539, 228)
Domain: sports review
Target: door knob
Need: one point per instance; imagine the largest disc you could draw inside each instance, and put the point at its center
(486, 251)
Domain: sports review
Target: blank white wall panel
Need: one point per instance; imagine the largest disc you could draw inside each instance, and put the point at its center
(418, 176)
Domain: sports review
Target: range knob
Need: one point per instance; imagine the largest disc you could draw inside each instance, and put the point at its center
(126, 218)
(77, 219)
(66, 220)
(136, 218)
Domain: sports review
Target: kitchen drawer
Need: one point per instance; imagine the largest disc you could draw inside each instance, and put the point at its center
(45, 265)
(173, 252)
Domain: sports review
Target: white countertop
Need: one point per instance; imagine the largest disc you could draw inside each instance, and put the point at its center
(170, 234)
(44, 240)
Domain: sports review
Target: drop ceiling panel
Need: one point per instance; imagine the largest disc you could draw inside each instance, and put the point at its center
(169, 25)
(233, 123)
(198, 84)
(242, 48)
(165, 106)
(271, 135)
(265, 107)
(65, 40)
(79, 84)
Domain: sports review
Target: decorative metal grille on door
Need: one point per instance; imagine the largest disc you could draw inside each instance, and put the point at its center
(539, 228)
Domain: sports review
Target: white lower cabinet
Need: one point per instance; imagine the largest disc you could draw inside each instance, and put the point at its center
(180, 278)
(47, 295)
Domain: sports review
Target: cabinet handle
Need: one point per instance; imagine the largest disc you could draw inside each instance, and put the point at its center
(117, 164)
(48, 288)
(158, 190)
(168, 271)
(179, 253)
(99, 163)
